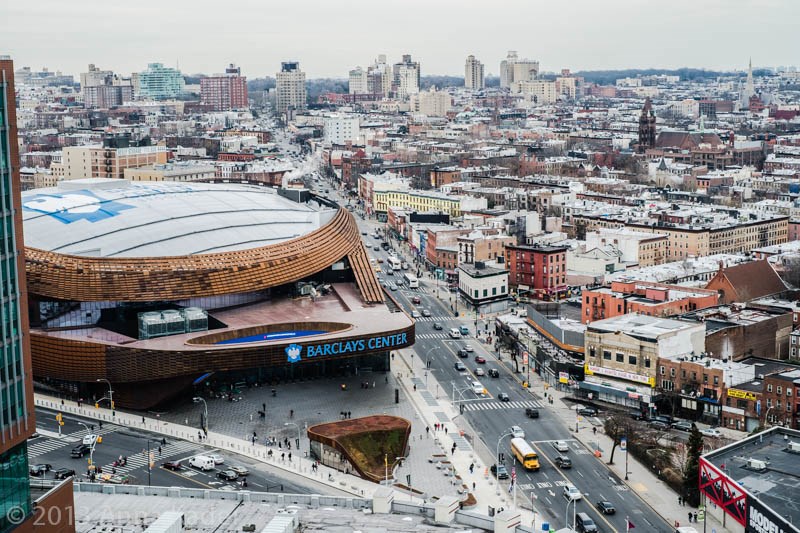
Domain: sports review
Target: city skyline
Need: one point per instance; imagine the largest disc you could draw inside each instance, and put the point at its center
(335, 41)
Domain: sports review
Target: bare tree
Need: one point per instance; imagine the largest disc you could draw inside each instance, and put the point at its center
(618, 426)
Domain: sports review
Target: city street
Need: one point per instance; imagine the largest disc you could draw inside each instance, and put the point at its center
(491, 418)
(118, 441)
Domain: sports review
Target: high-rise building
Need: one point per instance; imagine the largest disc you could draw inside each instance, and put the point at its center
(473, 74)
(290, 87)
(103, 88)
(405, 78)
(513, 69)
(358, 81)
(225, 92)
(379, 77)
(159, 82)
(17, 422)
(432, 103)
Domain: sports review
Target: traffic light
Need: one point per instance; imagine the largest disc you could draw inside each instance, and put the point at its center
(112, 405)
(97, 405)
(99, 440)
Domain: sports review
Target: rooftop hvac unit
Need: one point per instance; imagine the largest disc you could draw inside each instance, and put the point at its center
(794, 447)
(756, 464)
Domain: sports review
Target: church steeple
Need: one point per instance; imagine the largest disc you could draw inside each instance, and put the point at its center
(749, 89)
(647, 127)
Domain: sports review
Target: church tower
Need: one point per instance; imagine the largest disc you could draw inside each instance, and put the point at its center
(647, 127)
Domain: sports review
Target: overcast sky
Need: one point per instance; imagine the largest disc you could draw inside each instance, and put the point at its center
(330, 37)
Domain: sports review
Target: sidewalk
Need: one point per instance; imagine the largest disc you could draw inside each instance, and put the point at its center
(297, 466)
(488, 492)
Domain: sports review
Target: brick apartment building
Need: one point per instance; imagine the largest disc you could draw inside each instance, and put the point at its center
(540, 271)
(225, 92)
(647, 298)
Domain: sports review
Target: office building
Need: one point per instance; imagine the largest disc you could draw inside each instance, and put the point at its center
(405, 81)
(513, 69)
(473, 74)
(358, 81)
(225, 92)
(159, 83)
(17, 421)
(432, 103)
(341, 129)
(103, 89)
(80, 162)
(379, 77)
(290, 87)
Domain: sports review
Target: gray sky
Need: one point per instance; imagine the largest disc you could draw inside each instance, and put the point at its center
(329, 37)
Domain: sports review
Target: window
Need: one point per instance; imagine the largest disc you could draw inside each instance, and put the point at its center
(592, 351)
(779, 390)
(672, 372)
(632, 360)
(716, 380)
(683, 373)
(647, 363)
(606, 355)
(661, 370)
(769, 388)
(788, 391)
(667, 385)
(620, 357)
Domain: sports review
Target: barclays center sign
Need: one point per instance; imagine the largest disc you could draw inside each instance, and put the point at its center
(761, 519)
(296, 352)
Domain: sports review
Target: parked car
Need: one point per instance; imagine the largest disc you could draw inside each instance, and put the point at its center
(437, 326)
(63, 473)
(531, 412)
(561, 445)
(39, 469)
(711, 432)
(425, 312)
(242, 471)
(228, 475)
(605, 507)
(638, 415)
(563, 462)
(493, 372)
(682, 425)
(172, 465)
(460, 366)
(659, 424)
(587, 411)
(503, 397)
(480, 360)
(517, 432)
(79, 451)
(571, 493)
(499, 471)
(479, 372)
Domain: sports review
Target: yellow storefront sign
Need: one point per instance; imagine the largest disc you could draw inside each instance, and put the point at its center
(744, 395)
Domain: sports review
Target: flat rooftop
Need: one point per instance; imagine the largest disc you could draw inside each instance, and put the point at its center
(640, 325)
(778, 487)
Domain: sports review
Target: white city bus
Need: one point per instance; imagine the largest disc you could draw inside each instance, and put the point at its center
(411, 280)
(394, 263)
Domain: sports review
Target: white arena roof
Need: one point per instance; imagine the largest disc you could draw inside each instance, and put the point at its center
(102, 217)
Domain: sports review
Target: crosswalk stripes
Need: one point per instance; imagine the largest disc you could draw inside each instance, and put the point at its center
(431, 336)
(48, 445)
(486, 406)
(435, 318)
(140, 460)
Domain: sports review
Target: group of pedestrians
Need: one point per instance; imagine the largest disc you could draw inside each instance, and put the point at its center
(438, 427)
(344, 414)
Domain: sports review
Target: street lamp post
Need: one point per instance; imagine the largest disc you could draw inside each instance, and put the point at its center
(110, 395)
(566, 513)
(91, 448)
(198, 399)
(497, 454)
(297, 441)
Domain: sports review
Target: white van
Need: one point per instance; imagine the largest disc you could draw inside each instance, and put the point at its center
(477, 388)
(203, 462)
(454, 333)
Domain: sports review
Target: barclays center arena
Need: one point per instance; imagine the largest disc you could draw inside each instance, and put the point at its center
(158, 287)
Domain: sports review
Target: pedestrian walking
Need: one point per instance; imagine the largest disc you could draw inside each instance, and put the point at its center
(291, 413)
(348, 414)
(415, 387)
(473, 486)
(199, 436)
(471, 468)
(142, 420)
(283, 456)
(690, 517)
(680, 501)
(695, 517)
(445, 430)
(100, 423)
(159, 451)
(427, 429)
(290, 457)
(387, 379)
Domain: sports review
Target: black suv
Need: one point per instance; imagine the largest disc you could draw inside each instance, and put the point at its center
(587, 410)
(494, 373)
(63, 473)
(462, 353)
(39, 469)
(80, 450)
(563, 462)
(531, 412)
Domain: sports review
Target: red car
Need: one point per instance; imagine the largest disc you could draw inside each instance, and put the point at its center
(480, 360)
